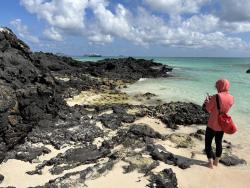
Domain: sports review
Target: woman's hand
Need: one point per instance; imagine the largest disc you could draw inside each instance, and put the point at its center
(208, 98)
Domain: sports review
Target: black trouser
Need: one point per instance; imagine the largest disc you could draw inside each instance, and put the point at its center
(210, 134)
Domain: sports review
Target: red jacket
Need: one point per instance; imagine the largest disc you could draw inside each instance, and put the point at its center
(226, 102)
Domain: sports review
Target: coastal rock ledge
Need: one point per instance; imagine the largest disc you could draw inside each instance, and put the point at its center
(31, 93)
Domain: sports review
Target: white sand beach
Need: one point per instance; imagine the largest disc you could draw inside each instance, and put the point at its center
(195, 177)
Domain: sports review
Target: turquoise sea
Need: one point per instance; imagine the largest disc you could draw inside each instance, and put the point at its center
(194, 77)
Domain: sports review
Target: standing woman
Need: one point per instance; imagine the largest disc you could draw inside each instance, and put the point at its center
(213, 128)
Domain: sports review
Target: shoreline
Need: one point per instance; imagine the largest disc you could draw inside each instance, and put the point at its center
(67, 124)
(240, 139)
(115, 175)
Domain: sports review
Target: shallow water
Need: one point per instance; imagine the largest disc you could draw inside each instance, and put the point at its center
(194, 77)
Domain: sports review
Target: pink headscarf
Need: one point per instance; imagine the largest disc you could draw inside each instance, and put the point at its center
(222, 85)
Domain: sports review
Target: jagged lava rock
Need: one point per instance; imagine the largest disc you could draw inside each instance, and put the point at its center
(164, 179)
(232, 160)
(180, 113)
(128, 69)
(31, 96)
(143, 130)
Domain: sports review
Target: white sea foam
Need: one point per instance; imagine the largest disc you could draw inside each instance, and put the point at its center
(142, 79)
(177, 68)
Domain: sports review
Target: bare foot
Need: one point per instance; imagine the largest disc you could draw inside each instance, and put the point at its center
(216, 161)
(210, 165)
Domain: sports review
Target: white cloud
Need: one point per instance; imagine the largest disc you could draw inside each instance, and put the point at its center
(107, 22)
(211, 23)
(235, 10)
(202, 23)
(96, 36)
(100, 38)
(113, 23)
(53, 34)
(175, 7)
(192, 39)
(23, 31)
(64, 14)
(235, 27)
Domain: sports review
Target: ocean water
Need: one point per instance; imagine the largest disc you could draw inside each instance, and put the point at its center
(192, 78)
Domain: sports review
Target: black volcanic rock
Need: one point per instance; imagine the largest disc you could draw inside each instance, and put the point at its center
(157, 153)
(32, 108)
(27, 92)
(180, 113)
(111, 121)
(9, 41)
(164, 179)
(73, 158)
(128, 69)
(1, 178)
(51, 62)
(232, 160)
(31, 95)
(248, 71)
(26, 153)
(143, 130)
(85, 155)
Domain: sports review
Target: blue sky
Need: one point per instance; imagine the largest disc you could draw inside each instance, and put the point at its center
(132, 27)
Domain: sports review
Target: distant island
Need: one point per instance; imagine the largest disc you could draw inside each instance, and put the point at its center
(92, 55)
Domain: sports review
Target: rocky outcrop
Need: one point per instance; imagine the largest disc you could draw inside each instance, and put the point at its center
(128, 69)
(181, 140)
(27, 93)
(31, 95)
(143, 130)
(72, 158)
(9, 42)
(157, 153)
(232, 160)
(164, 179)
(199, 134)
(77, 179)
(143, 164)
(248, 71)
(180, 113)
(51, 62)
